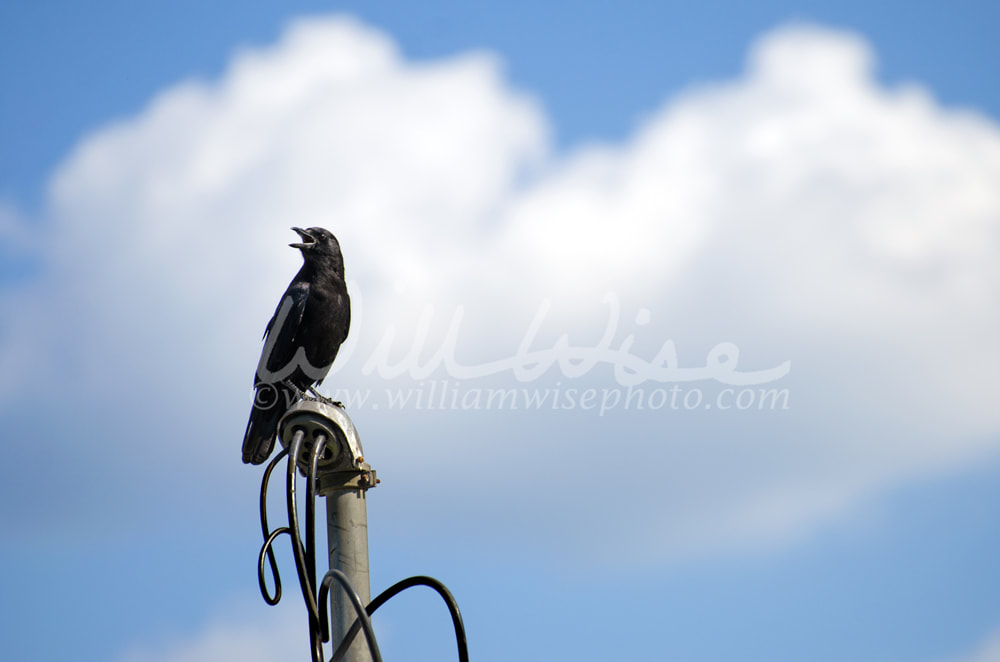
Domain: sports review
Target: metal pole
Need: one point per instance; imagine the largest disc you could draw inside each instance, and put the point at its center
(347, 537)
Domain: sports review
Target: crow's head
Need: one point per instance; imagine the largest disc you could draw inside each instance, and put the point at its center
(318, 244)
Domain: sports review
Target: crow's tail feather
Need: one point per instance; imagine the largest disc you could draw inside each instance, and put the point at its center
(258, 440)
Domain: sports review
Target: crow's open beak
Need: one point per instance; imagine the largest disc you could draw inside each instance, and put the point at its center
(307, 239)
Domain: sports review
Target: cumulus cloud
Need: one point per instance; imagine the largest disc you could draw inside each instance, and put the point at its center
(803, 211)
(273, 639)
(987, 651)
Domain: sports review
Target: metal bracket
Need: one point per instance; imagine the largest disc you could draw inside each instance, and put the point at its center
(333, 481)
(318, 418)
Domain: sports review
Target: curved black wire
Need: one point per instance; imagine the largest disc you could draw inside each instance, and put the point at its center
(267, 550)
(305, 563)
(293, 519)
(363, 621)
(389, 593)
(315, 627)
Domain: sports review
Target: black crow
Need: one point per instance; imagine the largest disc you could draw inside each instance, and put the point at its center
(301, 340)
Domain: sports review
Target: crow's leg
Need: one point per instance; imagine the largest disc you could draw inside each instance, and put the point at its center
(295, 389)
(322, 398)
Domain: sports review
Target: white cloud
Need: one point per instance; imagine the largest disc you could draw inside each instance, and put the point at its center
(282, 636)
(803, 211)
(987, 651)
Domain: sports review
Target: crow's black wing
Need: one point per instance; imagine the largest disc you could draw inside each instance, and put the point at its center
(280, 337)
(271, 395)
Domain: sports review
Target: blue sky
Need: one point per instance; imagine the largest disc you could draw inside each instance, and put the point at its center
(592, 67)
(813, 185)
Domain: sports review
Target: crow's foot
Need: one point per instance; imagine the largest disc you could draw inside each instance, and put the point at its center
(322, 398)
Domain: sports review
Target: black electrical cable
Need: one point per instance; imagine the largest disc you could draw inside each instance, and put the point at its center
(392, 591)
(363, 618)
(267, 550)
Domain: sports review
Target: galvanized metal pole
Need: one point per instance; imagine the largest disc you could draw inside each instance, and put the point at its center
(347, 538)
